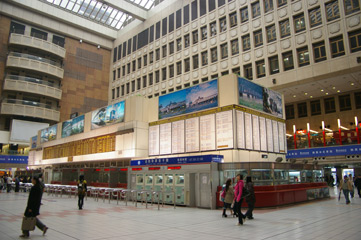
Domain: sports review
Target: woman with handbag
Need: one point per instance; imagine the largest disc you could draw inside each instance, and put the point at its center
(227, 195)
(32, 208)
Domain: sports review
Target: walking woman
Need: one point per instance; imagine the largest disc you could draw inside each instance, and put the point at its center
(238, 199)
(228, 198)
(251, 198)
(82, 190)
(33, 207)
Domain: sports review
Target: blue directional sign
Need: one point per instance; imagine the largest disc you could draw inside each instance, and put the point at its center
(177, 160)
(14, 159)
(324, 152)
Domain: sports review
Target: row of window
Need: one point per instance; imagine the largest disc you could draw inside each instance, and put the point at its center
(328, 105)
(315, 19)
(302, 55)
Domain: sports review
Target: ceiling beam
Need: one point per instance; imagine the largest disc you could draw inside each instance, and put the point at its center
(129, 8)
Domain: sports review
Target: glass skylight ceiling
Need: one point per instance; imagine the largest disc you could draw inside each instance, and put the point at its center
(100, 12)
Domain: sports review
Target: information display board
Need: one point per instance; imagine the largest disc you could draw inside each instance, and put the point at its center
(269, 135)
(276, 145)
(240, 130)
(224, 126)
(281, 137)
(263, 133)
(154, 140)
(178, 136)
(207, 132)
(255, 133)
(248, 130)
(192, 134)
(165, 138)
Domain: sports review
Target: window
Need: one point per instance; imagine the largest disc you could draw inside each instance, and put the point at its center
(17, 28)
(303, 56)
(290, 112)
(164, 51)
(315, 17)
(113, 93)
(171, 71)
(144, 81)
(274, 65)
(133, 85)
(60, 41)
(179, 44)
(157, 54)
(195, 36)
(186, 41)
(164, 74)
(246, 42)
(319, 51)
(281, 3)
(214, 56)
(287, 61)
(138, 84)
(345, 102)
(302, 109)
(150, 78)
(355, 41)
(139, 63)
(171, 48)
(122, 90)
(271, 33)
(233, 19)
(114, 75)
(204, 56)
(157, 77)
(123, 70)
(151, 55)
(329, 105)
(128, 68)
(133, 65)
(204, 32)
(258, 39)
(39, 34)
(332, 10)
(234, 47)
(237, 71)
(213, 28)
(244, 15)
(179, 68)
(315, 107)
(186, 65)
(268, 5)
(285, 28)
(351, 6)
(118, 73)
(260, 68)
(128, 88)
(248, 72)
(224, 50)
(145, 60)
(195, 61)
(358, 100)
(337, 48)
(256, 11)
(222, 24)
(299, 23)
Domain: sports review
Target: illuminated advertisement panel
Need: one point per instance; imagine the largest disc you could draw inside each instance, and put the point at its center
(108, 115)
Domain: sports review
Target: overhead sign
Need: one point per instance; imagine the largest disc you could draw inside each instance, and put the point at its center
(14, 159)
(177, 160)
(324, 152)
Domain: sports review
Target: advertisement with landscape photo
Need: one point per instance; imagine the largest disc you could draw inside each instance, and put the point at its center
(48, 134)
(73, 126)
(108, 115)
(197, 98)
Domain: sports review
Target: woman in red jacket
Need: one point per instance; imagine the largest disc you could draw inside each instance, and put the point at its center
(238, 199)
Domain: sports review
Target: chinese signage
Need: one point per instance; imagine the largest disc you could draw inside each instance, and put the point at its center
(14, 159)
(324, 152)
(177, 160)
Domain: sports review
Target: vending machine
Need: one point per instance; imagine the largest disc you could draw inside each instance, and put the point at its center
(168, 195)
(179, 188)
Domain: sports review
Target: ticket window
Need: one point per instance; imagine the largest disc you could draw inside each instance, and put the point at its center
(179, 188)
(149, 182)
(169, 182)
(280, 176)
(295, 176)
(140, 181)
(158, 182)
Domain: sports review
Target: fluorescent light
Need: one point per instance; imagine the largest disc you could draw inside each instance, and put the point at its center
(327, 129)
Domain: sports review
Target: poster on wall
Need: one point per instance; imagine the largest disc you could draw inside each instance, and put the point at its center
(196, 98)
(108, 115)
(178, 136)
(34, 142)
(269, 135)
(165, 138)
(224, 126)
(281, 137)
(259, 98)
(192, 134)
(263, 133)
(248, 131)
(240, 130)
(77, 125)
(276, 145)
(255, 133)
(207, 131)
(66, 129)
(154, 140)
(48, 134)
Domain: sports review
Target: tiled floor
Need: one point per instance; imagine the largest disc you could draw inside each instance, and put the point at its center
(326, 219)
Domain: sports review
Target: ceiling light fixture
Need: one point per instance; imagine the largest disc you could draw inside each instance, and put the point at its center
(321, 90)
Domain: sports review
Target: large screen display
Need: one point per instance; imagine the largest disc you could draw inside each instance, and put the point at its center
(197, 98)
(259, 98)
(108, 115)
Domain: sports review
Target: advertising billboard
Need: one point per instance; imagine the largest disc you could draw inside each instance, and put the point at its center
(48, 134)
(73, 126)
(108, 115)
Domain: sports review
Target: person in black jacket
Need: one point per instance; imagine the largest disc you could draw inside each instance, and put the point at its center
(251, 198)
(33, 206)
(82, 190)
(357, 184)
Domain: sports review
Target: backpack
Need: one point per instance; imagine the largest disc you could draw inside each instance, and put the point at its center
(81, 189)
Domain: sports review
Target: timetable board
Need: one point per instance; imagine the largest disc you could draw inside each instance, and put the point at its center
(224, 127)
(192, 134)
(165, 138)
(207, 132)
(178, 137)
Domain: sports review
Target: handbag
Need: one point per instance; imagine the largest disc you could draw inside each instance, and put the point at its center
(245, 192)
(28, 223)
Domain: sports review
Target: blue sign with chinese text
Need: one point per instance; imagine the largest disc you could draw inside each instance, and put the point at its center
(177, 160)
(324, 152)
(14, 159)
